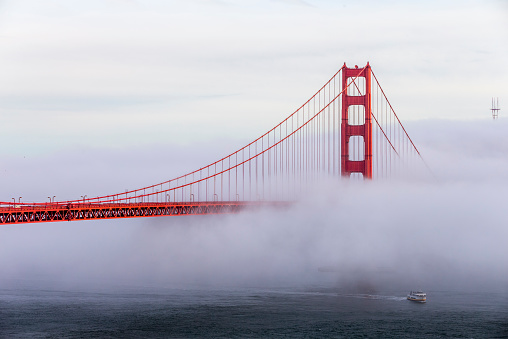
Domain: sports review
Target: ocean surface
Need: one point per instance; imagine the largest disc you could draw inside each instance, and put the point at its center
(311, 312)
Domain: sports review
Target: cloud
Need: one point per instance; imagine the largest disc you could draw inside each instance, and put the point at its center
(295, 2)
(172, 49)
(412, 236)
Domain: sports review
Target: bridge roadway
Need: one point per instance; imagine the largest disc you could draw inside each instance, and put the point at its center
(51, 212)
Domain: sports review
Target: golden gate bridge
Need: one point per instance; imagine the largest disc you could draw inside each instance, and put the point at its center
(348, 128)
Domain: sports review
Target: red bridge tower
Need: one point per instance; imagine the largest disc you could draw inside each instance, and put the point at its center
(348, 129)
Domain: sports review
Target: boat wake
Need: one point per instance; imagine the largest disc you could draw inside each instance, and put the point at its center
(374, 297)
(344, 295)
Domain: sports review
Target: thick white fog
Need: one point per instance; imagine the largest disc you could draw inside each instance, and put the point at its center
(444, 232)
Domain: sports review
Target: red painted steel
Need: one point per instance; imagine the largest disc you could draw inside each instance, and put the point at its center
(348, 130)
(275, 168)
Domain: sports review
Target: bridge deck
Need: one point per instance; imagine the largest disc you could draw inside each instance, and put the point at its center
(49, 212)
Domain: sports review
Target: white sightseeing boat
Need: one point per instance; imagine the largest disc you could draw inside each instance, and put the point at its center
(417, 296)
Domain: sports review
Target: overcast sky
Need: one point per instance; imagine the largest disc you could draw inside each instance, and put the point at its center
(101, 96)
(118, 73)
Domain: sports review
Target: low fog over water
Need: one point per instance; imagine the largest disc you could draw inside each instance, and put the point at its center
(443, 232)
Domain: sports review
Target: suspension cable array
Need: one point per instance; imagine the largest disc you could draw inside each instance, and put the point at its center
(279, 165)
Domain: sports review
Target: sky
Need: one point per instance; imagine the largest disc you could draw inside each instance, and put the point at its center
(119, 74)
(101, 96)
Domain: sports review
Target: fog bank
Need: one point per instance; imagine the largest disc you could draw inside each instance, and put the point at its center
(447, 232)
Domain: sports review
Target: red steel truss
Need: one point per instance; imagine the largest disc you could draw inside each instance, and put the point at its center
(60, 212)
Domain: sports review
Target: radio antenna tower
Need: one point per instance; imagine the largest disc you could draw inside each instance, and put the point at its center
(495, 108)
